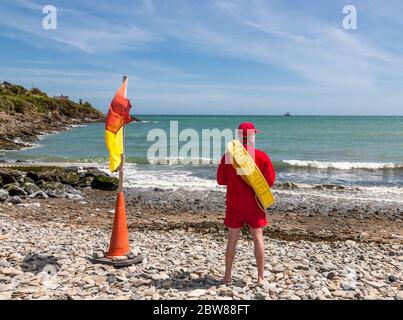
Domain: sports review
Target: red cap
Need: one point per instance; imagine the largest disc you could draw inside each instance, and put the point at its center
(248, 128)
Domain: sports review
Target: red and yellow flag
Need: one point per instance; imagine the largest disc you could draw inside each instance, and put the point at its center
(118, 116)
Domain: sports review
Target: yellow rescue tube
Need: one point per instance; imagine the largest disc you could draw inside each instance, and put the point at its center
(250, 172)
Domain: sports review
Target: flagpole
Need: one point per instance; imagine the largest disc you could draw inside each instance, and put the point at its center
(122, 156)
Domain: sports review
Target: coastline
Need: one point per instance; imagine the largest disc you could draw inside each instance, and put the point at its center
(17, 134)
(308, 256)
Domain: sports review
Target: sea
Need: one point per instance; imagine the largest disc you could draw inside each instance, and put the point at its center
(311, 152)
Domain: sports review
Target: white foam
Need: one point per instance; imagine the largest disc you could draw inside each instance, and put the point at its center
(173, 179)
(343, 165)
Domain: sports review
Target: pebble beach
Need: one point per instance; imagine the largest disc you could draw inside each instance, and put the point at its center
(47, 245)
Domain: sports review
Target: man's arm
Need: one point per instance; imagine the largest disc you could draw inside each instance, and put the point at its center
(269, 172)
(221, 174)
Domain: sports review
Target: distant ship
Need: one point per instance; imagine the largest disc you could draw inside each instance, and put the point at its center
(287, 114)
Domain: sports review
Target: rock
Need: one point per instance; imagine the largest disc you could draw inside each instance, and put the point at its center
(85, 182)
(260, 296)
(48, 174)
(348, 286)
(11, 272)
(375, 284)
(10, 176)
(392, 278)
(71, 169)
(34, 176)
(14, 190)
(278, 269)
(30, 205)
(3, 195)
(98, 254)
(351, 243)
(31, 187)
(56, 193)
(39, 195)
(302, 267)
(197, 293)
(105, 183)
(74, 196)
(159, 189)
(286, 186)
(14, 200)
(94, 172)
(331, 275)
(111, 279)
(225, 291)
(70, 178)
(16, 257)
(4, 263)
(5, 295)
(327, 266)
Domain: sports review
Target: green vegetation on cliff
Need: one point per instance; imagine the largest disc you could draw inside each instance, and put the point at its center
(15, 99)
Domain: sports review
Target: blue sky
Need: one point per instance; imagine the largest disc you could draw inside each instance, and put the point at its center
(211, 56)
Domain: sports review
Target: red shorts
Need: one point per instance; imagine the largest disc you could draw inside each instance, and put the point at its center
(255, 220)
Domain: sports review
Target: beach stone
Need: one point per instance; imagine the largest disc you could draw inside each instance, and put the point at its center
(375, 284)
(74, 196)
(16, 257)
(98, 254)
(4, 263)
(392, 278)
(3, 195)
(348, 286)
(197, 293)
(260, 296)
(30, 205)
(225, 291)
(111, 279)
(278, 269)
(6, 295)
(14, 200)
(39, 195)
(10, 271)
(331, 275)
(56, 193)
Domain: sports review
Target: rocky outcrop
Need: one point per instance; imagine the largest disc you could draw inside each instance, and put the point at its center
(25, 114)
(41, 182)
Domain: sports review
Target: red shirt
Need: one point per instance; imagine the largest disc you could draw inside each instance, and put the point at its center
(240, 196)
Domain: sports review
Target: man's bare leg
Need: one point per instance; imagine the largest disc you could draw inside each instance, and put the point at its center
(233, 236)
(258, 242)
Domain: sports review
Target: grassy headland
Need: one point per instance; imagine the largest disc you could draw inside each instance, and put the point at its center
(25, 114)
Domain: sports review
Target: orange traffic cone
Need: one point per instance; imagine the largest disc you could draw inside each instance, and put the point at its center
(119, 245)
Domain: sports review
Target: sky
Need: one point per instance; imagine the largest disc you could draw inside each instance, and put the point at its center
(260, 57)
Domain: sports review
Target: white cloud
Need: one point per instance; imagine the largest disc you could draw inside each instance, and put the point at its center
(343, 72)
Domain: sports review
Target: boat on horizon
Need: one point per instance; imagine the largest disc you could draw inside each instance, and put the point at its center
(287, 114)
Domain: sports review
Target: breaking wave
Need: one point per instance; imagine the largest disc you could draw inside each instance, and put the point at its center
(343, 165)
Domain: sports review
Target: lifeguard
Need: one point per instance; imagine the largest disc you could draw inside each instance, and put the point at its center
(242, 207)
